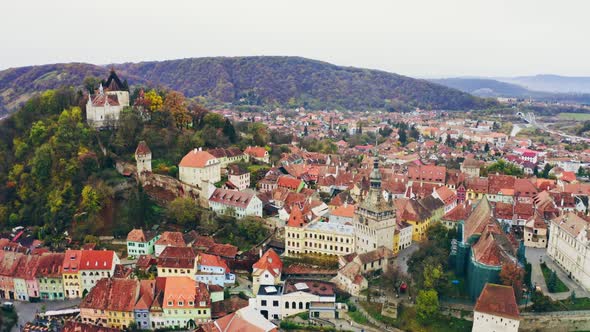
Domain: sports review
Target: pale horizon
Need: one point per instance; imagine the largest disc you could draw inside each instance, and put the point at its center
(423, 39)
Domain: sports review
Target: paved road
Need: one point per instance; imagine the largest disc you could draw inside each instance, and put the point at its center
(535, 256)
(404, 255)
(27, 310)
(245, 287)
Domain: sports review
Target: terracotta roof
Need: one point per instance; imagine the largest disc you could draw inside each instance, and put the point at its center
(244, 320)
(112, 294)
(71, 262)
(270, 261)
(171, 239)
(198, 159)
(185, 289)
(73, 326)
(478, 219)
(427, 173)
(97, 259)
(177, 257)
(446, 194)
(99, 100)
(50, 265)
(289, 182)
(139, 235)
(375, 255)
(256, 151)
(223, 250)
(142, 148)
(296, 218)
(212, 260)
(498, 300)
(346, 210)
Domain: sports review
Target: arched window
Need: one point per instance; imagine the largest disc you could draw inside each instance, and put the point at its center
(300, 305)
(287, 305)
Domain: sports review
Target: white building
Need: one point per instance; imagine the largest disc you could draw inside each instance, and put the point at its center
(237, 203)
(296, 296)
(238, 177)
(213, 270)
(198, 166)
(266, 271)
(104, 107)
(496, 310)
(95, 265)
(374, 220)
(569, 247)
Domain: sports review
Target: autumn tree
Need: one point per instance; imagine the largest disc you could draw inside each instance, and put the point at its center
(175, 104)
(513, 275)
(182, 210)
(154, 100)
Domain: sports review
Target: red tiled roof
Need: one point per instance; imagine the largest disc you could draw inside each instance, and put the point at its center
(177, 257)
(212, 260)
(197, 159)
(100, 99)
(97, 259)
(112, 294)
(296, 218)
(270, 261)
(289, 182)
(142, 148)
(138, 235)
(256, 151)
(171, 239)
(498, 300)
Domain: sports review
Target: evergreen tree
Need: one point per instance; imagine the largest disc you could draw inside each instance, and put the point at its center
(403, 138)
(552, 282)
(229, 131)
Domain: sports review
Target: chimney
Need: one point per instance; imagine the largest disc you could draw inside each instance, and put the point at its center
(260, 252)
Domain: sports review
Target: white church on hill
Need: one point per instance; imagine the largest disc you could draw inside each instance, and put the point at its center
(103, 108)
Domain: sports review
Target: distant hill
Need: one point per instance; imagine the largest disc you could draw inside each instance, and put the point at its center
(487, 87)
(484, 87)
(252, 80)
(551, 83)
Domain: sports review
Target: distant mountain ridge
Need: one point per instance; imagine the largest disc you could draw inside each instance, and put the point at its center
(488, 87)
(258, 80)
(551, 83)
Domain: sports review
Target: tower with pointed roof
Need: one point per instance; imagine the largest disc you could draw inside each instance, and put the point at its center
(105, 105)
(374, 219)
(143, 158)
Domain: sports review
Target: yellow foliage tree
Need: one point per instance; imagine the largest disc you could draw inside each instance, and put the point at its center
(154, 100)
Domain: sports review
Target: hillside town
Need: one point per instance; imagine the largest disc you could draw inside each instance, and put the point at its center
(368, 217)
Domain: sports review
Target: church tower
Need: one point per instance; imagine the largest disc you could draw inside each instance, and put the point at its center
(374, 219)
(143, 158)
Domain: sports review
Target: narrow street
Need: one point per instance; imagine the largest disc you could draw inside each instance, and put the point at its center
(27, 310)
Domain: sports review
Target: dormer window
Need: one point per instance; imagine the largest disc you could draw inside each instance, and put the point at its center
(180, 303)
(170, 303)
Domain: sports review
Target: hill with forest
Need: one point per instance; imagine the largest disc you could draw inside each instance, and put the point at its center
(251, 81)
(58, 175)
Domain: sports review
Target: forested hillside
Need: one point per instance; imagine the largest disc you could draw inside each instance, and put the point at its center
(251, 82)
(56, 177)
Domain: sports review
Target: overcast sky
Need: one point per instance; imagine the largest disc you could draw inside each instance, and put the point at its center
(413, 37)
